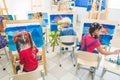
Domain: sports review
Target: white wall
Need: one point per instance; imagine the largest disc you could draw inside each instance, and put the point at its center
(20, 8)
(114, 4)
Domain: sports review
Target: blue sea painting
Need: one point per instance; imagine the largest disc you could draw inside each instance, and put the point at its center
(35, 30)
(55, 18)
(107, 32)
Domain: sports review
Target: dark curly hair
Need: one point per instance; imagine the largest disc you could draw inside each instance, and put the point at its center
(94, 26)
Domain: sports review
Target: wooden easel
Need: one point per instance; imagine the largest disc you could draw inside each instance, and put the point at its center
(96, 14)
(12, 57)
(3, 9)
(62, 6)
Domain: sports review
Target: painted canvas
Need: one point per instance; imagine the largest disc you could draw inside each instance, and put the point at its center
(107, 32)
(56, 18)
(34, 29)
(4, 17)
(45, 17)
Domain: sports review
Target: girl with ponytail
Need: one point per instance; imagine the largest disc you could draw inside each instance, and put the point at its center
(27, 52)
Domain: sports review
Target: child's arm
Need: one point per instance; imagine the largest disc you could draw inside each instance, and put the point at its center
(21, 69)
(107, 52)
(35, 50)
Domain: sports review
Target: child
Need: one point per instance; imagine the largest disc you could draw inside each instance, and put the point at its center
(39, 16)
(90, 41)
(27, 52)
(66, 29)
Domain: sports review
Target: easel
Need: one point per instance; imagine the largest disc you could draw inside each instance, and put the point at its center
(2, 30)
(10, 52)
(37, 6)
(3, 9)
(95, 13)
(62, 5)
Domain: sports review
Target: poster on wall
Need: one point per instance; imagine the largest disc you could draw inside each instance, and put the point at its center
(56, 18)
(108, 30)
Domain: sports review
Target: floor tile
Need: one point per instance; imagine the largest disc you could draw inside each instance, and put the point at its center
(50, 77)
(69, 76)
(50, 65)
(58, 72)
(111, 76)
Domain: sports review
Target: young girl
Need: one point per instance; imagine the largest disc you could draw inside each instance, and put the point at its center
(27, 52)
(90, 41)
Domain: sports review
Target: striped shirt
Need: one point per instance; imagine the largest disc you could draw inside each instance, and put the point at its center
(66, 31)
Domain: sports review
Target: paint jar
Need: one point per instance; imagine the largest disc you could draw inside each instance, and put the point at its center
(118, 59)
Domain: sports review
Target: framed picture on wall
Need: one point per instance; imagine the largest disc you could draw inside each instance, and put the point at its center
(56, 17)
(108, 30)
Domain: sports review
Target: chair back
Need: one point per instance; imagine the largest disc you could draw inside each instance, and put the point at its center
(33, 75)
(88, 58)
(68, 39)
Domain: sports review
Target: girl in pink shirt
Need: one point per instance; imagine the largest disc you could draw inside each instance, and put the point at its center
(90, 42)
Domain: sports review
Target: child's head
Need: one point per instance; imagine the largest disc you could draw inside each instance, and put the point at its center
(66, 21)
(95, 29)
(23, 38)
(38, 15)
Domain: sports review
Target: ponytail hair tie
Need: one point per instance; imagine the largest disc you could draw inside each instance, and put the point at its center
(26, 33)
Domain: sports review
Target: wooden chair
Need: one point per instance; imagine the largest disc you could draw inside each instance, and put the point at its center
(109, 66)
(88, 59)
(15, 60)
(33, 75)
(67, 39)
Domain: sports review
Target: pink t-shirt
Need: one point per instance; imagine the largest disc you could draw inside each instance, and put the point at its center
(90, 39)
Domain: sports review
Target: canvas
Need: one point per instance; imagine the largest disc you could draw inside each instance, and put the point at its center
(55, 20)
(34, 29)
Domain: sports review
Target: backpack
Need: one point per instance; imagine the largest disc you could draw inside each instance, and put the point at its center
(3, 41)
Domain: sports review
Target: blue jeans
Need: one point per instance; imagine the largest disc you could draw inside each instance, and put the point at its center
(95, 51)
(18, 68)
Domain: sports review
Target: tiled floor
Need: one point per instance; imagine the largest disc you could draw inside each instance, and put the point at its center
(54, 72)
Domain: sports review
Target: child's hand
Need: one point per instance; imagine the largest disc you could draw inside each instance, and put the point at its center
(116, 51)
(19, 71)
